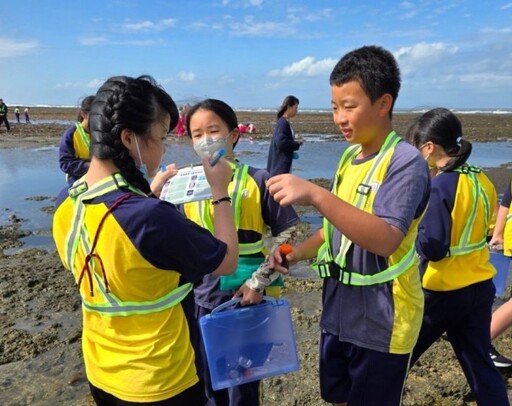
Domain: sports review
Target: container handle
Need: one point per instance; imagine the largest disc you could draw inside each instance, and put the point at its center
(237, 300)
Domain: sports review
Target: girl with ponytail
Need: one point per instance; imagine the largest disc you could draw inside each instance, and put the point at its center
(454, 256)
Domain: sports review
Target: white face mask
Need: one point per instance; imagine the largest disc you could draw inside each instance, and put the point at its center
(206, 146)
(142, 166)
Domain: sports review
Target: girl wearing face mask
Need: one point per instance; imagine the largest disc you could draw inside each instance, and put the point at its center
(452, 245)
(213, 125)
(135, 258)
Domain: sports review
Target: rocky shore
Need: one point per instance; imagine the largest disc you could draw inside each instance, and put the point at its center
(40, 316)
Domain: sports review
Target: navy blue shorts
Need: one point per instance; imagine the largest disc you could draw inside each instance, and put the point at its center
(360, 376)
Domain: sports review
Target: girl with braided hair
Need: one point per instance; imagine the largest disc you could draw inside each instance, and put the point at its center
(135, 257)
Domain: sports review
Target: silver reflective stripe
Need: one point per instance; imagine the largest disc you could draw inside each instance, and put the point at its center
(85, 139)
(468, 248)
(251, 248)
(78, 235)
(464, 247)
(131, 308)
(392, 272)
(390, 142)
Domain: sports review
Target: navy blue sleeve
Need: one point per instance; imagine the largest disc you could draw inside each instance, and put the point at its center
(277, 217)
(507, 197)
(434, 232)
(168, 240)
(284, 137)
(68, 162)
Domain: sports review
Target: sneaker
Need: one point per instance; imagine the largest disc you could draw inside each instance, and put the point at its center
(499, 360)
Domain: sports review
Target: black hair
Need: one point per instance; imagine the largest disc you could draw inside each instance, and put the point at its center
(441, 127)
(374, 68)
(85, 107)
(220, 108)
(289, 101)
(121, 103)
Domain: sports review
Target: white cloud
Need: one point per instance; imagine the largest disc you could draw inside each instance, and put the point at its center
(245, 3)
(251, 27)
(68, 85)
(506, 6)
(10, 48)
(186, 76)
(95, 83)
(147, 26)
(255, 3)
(422, 55)
(92, 84)
(485, 79)
(298, 14)
(489, 30)
(93, 41)
(140, 43)
(182, 76)
(307, 66)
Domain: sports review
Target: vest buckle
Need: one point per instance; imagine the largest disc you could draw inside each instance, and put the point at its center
(364, 189)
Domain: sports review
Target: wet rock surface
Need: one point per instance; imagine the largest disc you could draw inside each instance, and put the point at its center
(40, 316)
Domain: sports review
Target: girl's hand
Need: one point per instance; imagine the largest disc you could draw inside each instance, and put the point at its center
(162, 176)
(218, 176)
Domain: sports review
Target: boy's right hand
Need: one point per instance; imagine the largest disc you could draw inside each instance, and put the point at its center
(289, 189)
(275, 261)
(218, 176)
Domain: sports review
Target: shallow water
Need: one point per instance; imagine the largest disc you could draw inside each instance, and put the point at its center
(28, 173)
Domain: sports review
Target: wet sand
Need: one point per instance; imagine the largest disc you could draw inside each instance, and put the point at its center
(40, 317)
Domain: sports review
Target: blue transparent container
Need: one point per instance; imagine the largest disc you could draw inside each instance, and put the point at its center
(249, 343)
(502, 264)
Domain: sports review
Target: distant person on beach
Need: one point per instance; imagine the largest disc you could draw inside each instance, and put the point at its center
(181, 128)
(74, 147)
(17, 114)
(213, 125)
(283, 144)
(452, 246)
(3, 115)
(249, 128)
(372, 296)
(27, 115)
(135, 257)
(502, 240)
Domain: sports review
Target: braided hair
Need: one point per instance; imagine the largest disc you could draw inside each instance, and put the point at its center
(127, 103)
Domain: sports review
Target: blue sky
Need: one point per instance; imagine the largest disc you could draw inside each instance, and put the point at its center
(252, 53)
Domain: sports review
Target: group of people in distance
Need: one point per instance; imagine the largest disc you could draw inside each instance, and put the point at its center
(4, 110)
(403, 258)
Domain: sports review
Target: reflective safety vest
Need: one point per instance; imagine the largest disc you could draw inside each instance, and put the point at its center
(363, 197)
(201, 211)
(109, 305)
(507, 233)
(81, 142)
(479, 196)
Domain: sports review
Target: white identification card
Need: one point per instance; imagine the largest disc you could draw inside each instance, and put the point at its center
(188, 185)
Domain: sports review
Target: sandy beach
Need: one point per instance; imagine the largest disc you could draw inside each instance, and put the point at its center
(40, 316)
